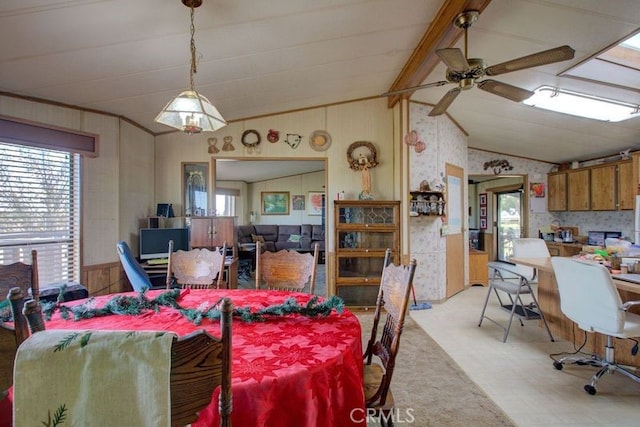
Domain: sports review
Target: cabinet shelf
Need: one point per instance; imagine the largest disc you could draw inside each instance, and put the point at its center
(427, 203)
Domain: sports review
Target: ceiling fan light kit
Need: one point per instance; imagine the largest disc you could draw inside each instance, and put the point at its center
(465, 72)
(191, 112)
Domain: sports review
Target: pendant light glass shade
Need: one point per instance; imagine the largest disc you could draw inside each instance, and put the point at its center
(191, 112)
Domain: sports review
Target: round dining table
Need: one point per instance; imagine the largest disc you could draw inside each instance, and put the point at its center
(287, 370)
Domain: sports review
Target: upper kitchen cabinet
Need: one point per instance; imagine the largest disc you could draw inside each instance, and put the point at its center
(612, 186)
(626, 186)
(557, 191)
(635, 173)
(605, 187)
(578, 184)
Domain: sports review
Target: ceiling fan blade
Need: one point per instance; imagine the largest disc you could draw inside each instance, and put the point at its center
(445, 101)
(454, 59)
(550, 56)
(413, 88)
(505, 90)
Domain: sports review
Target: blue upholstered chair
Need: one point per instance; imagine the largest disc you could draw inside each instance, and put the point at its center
(138, 278)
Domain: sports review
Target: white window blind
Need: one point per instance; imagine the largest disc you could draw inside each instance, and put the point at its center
(40, 209)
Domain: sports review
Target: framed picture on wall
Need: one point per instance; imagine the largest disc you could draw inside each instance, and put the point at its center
(315, 202)
(482, 198)
(275, 202)
(297, 202)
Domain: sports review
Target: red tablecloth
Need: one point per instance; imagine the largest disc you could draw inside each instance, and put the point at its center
(287, 371)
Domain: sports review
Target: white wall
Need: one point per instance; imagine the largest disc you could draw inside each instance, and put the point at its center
(446, 143)
(300, 185)
(117, 186)
(368, 120)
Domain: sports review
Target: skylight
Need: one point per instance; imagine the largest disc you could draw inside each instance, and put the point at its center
(583, 105)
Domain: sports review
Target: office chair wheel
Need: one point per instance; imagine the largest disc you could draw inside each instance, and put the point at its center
(557, 365)
(590, 389)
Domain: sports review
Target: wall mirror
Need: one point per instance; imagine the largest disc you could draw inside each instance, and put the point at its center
(194, 184)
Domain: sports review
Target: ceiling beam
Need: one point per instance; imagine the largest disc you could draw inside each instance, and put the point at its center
(440, 34)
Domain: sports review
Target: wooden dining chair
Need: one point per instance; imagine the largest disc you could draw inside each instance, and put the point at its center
(197, 268)
(19, 282)
(393, 298)
(24, 276)
(286, 269)
(199, 364)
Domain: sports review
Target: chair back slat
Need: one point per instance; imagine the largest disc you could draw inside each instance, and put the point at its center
(197, 268)
(286, 269)
(22, 275)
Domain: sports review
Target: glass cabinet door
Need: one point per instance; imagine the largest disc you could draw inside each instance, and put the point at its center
(367, 215)
(368, 240)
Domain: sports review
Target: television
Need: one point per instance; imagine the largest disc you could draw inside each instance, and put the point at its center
(154, 242)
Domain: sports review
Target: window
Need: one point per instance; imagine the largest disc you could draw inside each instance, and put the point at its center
(226, 201)
(40, 209)
(225, 205)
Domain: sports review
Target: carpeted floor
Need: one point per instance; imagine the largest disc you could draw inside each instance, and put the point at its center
(427, 381)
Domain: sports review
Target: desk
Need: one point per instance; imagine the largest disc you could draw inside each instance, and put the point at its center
(287, 371)
(561, 326)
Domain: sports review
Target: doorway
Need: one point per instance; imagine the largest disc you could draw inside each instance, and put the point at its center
(488, 187)
(509, 222)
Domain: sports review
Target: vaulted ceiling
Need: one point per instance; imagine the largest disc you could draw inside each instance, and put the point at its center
(257, 57)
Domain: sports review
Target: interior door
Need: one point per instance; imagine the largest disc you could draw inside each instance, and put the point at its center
(456, 265)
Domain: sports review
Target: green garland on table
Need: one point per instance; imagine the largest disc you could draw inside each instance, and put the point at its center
(136, 305)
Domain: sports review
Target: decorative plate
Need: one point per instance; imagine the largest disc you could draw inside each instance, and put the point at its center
(320, 140)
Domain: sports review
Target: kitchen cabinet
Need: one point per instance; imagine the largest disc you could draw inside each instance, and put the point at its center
(635, 173)
(626, 186)
(578, 184)
(211, 232)
(606, 187)
(563, 249)
(478, 268)
(557, 191)
(612, 187)
(364, 229)
(603, 188)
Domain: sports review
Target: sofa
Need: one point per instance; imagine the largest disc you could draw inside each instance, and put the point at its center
(278, 237)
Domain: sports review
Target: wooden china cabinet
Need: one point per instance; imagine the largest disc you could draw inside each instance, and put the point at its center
(364, 229)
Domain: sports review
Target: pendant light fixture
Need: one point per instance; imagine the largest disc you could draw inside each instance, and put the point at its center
(191, 112)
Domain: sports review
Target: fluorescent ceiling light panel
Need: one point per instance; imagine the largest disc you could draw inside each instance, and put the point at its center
(582, 105)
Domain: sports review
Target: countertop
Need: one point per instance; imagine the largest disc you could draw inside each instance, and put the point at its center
(544, 264)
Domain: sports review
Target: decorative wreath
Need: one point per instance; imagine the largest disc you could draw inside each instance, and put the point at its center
(247, 133)
(363, 161)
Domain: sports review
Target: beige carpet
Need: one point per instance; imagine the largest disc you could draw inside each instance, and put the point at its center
(430, 383)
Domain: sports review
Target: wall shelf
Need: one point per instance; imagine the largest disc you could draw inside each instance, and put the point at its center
(427, 203)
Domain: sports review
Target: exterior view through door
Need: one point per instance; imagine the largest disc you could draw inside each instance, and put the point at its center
(509, 221)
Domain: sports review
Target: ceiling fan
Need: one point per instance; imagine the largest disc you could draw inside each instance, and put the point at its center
(465, 71)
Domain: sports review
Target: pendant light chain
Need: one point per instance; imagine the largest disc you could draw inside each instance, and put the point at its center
(193, 70)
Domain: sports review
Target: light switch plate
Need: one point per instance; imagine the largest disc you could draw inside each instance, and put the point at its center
(444, 230)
